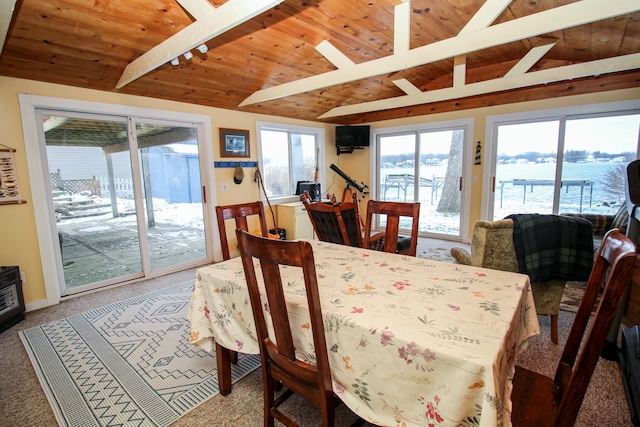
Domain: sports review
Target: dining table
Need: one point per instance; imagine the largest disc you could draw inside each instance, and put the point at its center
(411, 341)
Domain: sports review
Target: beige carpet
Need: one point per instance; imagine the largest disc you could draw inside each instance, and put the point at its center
(24, 404)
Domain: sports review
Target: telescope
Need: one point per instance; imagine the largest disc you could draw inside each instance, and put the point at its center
(350, 181)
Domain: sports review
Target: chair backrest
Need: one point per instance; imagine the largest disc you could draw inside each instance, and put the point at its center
(393, 211)
(613, 267)
(278, 356)
(333, 222)
(492, 245)
(239, 212)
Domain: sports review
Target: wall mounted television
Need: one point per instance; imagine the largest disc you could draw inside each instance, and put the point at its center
(349, 138)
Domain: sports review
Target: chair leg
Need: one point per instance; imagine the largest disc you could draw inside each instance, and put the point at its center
(554, 328)
(270, 402)
(223, 363)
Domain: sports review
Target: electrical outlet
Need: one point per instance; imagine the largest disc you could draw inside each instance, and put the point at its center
(23, 277)
(224, 186)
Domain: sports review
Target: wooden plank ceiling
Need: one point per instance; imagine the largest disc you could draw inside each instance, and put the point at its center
(337, 61)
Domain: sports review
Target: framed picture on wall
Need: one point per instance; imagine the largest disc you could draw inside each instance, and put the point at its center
(234, 143)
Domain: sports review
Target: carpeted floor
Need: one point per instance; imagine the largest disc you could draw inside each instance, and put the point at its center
(24, 404)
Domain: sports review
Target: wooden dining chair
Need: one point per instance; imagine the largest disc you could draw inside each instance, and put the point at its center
(392, 242)
(278, 356)
(335, 222)
(542, 401)
(240, 213)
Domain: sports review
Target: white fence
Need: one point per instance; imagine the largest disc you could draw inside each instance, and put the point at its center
(124, 187)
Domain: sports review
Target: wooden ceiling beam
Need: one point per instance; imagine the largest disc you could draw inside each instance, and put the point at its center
(6, 12)
(210, 22)
(333, 55)
(587, 85)
(567, 16)
(402, 27)
(533, 56)
(459, 70)
(568, 72)
(407, 87)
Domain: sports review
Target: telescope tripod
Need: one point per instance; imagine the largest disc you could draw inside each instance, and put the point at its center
(347, 196)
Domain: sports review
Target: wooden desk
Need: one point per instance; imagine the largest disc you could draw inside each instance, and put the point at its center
(408, 338)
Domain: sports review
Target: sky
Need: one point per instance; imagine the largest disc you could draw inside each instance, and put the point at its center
(607, 134)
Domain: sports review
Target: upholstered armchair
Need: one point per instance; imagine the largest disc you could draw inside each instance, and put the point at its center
(492, 247)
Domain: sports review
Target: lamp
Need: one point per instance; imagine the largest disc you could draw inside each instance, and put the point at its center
(203, 48)
(175, 61)
(188, 55)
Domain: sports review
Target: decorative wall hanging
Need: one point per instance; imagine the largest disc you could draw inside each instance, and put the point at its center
(234, 143)
(9, 188)
(478, 160)
(249, 164)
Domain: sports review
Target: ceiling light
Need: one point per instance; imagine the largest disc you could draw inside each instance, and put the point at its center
(175, 61)
(203, 48)
(188, 55)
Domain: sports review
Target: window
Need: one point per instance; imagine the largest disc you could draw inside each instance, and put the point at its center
(562, 161)
(288, 154)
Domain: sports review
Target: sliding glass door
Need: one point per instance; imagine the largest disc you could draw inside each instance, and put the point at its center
(571, 164)
(126, 195)
(525, 171)
(172, 194)
(424, 166)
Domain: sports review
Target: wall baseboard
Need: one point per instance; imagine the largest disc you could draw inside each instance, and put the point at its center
(36, 305)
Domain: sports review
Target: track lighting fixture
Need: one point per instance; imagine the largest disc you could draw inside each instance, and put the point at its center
(188, 55)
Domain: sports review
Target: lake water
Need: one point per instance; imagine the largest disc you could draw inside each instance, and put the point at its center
(597, 198)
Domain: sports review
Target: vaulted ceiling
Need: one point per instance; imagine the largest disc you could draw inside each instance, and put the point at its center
(337, 61)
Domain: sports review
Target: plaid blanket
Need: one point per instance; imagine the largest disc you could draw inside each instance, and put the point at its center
(553, 246)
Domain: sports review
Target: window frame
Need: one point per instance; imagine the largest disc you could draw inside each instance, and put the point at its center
(467, 125)
(561, 114)
(35, 151)
(317, 132)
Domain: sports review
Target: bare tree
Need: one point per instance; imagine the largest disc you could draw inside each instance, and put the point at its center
(615, 180)
(450, 199)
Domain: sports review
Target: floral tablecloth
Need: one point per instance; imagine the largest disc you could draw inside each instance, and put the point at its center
(411, 341)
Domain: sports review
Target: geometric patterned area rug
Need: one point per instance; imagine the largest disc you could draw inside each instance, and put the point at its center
(127, 364)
